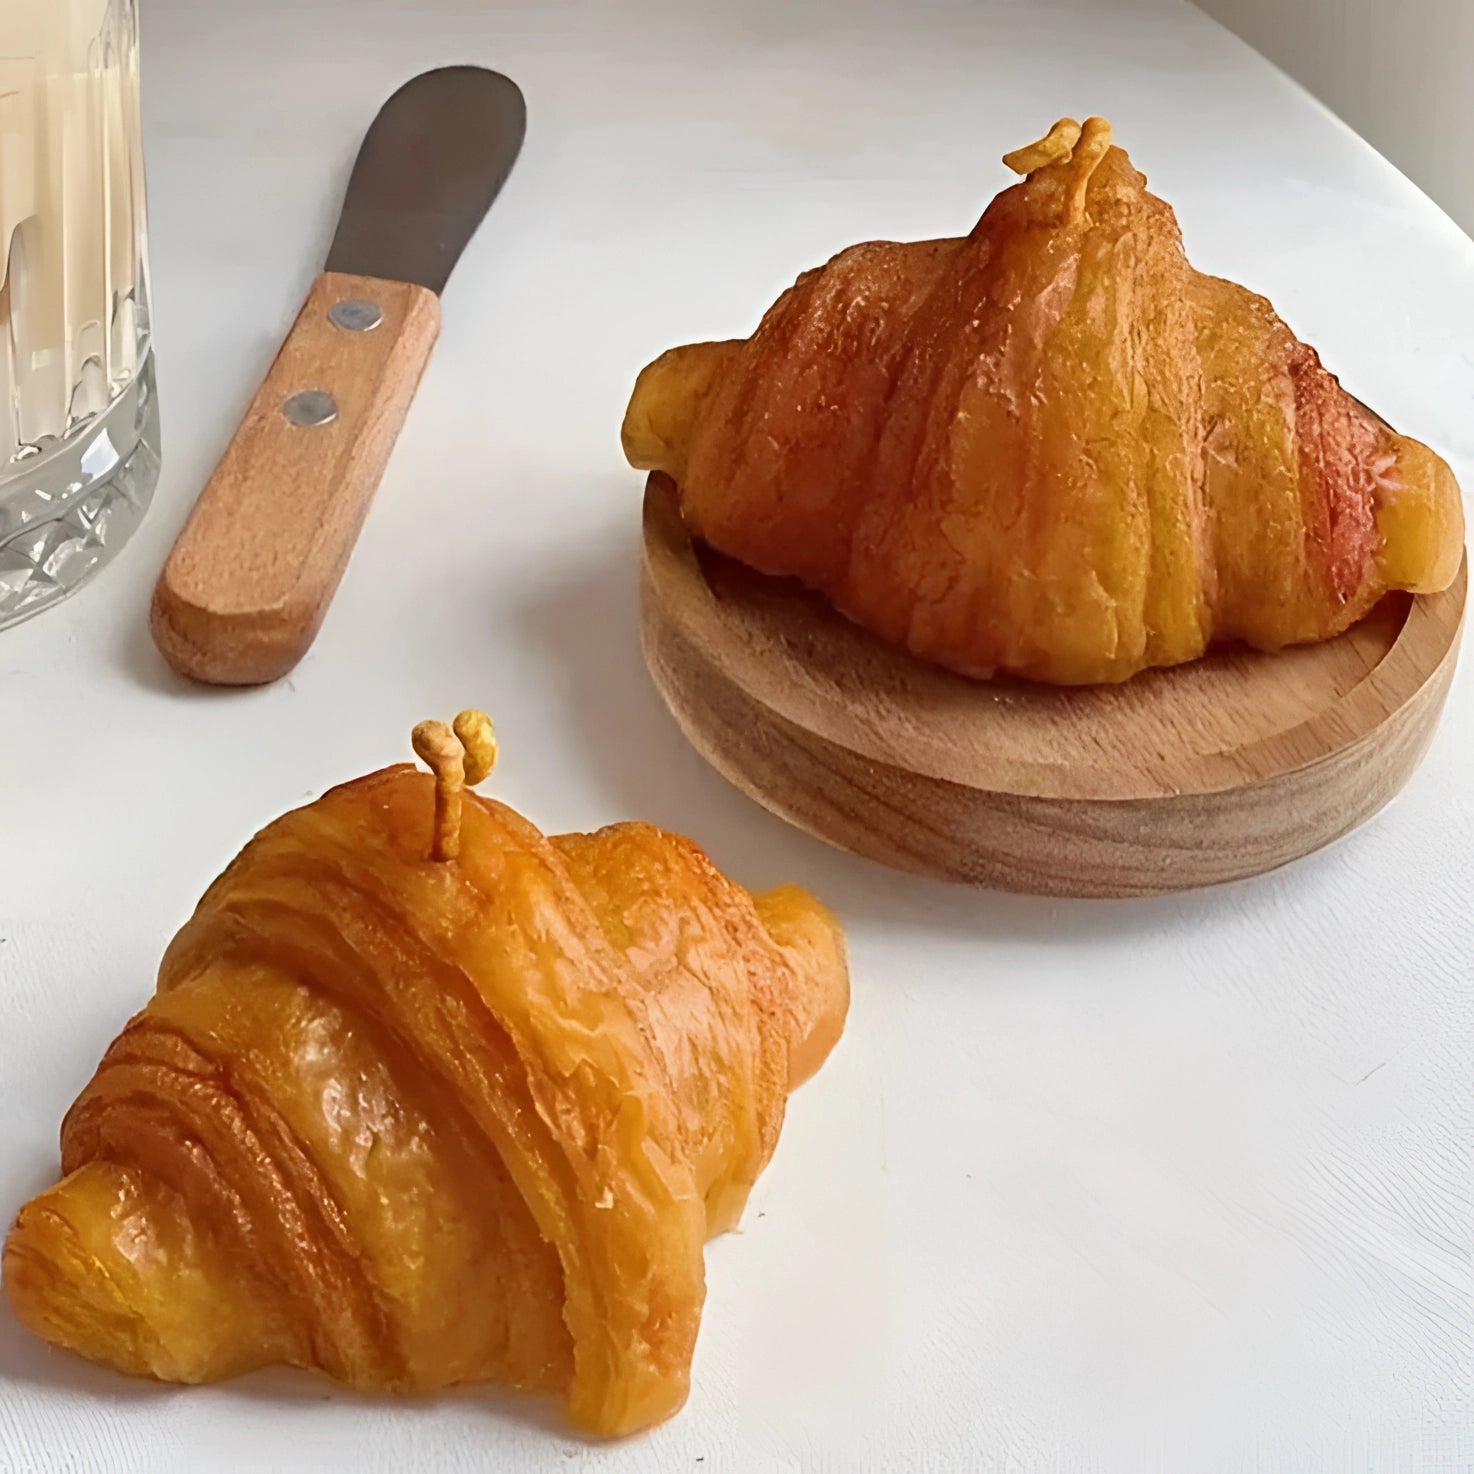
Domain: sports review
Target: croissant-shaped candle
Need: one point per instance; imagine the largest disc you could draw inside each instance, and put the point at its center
(1052, 448)
(426, 1098)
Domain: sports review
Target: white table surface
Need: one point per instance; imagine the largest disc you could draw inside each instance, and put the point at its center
(1089, 1187)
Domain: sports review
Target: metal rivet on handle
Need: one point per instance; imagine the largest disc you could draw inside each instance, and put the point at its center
(311, 408)
(356, 316)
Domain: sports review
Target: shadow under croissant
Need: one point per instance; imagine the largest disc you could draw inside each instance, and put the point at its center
(584, 623)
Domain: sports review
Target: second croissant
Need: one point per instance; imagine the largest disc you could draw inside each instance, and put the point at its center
(1051, 448)
(426, 1097)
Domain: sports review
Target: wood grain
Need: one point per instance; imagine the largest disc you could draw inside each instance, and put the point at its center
(1212, 772)
(247, 586)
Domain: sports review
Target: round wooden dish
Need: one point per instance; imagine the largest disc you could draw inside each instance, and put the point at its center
(1211, 772)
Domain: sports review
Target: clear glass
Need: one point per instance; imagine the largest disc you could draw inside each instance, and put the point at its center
(79, 429)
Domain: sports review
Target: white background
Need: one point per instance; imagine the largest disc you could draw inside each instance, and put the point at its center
(1180, 1185)
(1399, 73)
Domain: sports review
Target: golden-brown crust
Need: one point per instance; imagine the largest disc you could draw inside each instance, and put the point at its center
(1052, 448)
(418, 1122)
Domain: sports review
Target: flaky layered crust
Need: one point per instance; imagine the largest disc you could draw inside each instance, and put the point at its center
(1052, 448)
(418, 1123)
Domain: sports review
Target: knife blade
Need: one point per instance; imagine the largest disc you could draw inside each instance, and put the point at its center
(248, 583)
(431, 167)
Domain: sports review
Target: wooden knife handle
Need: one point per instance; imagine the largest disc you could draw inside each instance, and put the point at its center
(246, 587)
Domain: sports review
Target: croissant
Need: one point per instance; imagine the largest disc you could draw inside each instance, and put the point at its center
(1052, 448)
(426, 1098)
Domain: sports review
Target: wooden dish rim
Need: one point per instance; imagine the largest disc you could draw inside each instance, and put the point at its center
(1427, 638)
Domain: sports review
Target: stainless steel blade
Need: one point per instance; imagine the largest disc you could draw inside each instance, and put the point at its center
(431, 165)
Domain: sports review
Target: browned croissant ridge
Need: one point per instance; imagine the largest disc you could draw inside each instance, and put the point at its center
(1050, 448)
(425, 1097)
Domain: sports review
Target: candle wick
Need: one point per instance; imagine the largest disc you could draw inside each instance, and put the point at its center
(477, 735)
(457, 756)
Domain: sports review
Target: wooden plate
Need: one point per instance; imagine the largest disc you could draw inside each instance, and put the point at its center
(1190, 777)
